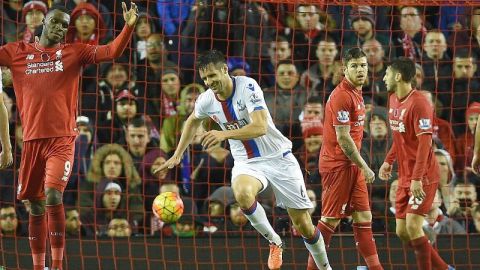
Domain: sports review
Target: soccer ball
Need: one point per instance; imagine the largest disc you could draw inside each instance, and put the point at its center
(168, 207)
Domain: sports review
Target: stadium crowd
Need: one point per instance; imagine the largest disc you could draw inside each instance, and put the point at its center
(132, 110)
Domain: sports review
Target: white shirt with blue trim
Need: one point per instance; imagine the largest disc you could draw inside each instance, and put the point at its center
(234, 113)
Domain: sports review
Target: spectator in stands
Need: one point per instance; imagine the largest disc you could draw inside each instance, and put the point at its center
(362, 21)
(11, 16)
(309, 23)
(113, 130)
(215, 208)
(279, 49)
(464, 90)
(86, 25)
(164, 111)
(313, 109)
(476, 218)
(376, 71)
(149, 70)
(33, 13)
(105, 13)
(73, 225)
(318, 78)
(111, 163)
(238, 67)
(143, 29)
(287, 98)
(464, 201)
(307, 155)
(408, 42)
(374, 150)
(419, 76)
(441, 223)
(9, 223)
(172, 15)
(115, 78)
(436, 63)
(442, 129)
(119, 227)
(465, 142)
(447, 175)
(139, 140)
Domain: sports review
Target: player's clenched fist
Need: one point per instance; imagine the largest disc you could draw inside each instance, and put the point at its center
(385, 171)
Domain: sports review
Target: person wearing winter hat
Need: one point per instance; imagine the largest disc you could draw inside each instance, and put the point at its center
(362, 21)
(465, 142)
(33, 13)
(86, 25)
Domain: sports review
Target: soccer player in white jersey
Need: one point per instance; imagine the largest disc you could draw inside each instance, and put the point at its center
(262, 154)
(6, 157)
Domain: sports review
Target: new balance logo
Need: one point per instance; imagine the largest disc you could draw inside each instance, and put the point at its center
(30, 57)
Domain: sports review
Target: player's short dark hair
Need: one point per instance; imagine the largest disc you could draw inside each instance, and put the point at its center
(60, 8)
(211, 57)
(353, 53)
(406, 67)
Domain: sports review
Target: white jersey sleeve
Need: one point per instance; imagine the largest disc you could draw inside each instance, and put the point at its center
(1, 83)
(200, 105)
(254, 97)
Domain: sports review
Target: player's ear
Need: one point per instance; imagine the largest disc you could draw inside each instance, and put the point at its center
(398, 76)
(225, 68)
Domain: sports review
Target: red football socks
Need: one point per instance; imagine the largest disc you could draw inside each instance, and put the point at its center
(327, 232)
(37, 230)
(56, 233)
(437, 261)
(422, 252)
(366, 244)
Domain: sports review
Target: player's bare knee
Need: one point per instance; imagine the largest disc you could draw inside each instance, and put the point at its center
(37, 208)
(333, 222)
(414, 231)
(363, 216)
(245, 197)
(54, 197)
(402, 234)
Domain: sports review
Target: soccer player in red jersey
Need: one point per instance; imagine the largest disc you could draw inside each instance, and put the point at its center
(45, 78)
(344, 172)
(411, 121)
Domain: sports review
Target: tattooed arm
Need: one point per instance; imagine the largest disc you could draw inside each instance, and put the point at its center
(350, 150)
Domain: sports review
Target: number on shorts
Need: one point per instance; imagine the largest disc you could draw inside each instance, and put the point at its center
(415, 202)
(66, 170)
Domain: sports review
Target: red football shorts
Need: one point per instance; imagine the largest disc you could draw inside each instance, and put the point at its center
(46, 163)
(406, 203)
(344, 192)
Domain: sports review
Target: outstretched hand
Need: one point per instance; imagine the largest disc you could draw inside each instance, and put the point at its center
(169, 164)
(130, 15)
(385, 171)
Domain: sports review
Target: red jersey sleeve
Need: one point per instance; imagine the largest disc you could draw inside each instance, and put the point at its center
(341, 106)
(422, 114)
(6, 53)
(116, 47)
(391, 156)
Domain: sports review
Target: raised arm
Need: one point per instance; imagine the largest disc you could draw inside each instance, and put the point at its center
(117, 46)
(189, 129)
(349, 148)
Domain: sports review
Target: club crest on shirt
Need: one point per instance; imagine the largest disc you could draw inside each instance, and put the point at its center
(343, 116)
(251, 87)
(424, 123)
